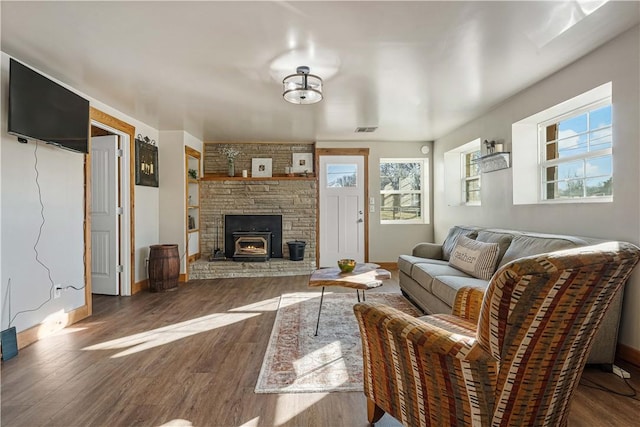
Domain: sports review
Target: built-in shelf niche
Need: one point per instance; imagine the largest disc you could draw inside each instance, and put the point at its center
(192, 166)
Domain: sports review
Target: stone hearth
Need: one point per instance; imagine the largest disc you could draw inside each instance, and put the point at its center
(203, 269)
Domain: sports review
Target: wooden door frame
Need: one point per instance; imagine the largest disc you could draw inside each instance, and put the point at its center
(101, 117)
(364, 152)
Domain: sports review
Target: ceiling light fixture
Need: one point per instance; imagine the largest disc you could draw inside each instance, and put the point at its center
(302, 87)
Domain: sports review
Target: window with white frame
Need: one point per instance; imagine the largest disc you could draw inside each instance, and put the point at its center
(462, 172)
(576, 154)
(471, 177)
(403, 191)
(564, 154)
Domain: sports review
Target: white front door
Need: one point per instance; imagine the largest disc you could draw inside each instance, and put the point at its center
(341, 207)
(105, 278)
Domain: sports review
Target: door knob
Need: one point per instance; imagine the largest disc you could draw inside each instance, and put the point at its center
(360, 220)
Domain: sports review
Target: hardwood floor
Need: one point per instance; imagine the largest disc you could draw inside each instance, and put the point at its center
(192, 357)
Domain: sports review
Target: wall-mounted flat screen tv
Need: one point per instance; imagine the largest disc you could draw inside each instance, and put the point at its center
(42, 109)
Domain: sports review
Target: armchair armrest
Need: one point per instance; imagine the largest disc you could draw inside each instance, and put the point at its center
(468, 303)
(427, 250)
(406, 360)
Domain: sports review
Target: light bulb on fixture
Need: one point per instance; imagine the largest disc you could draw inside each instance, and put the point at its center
(302, 87)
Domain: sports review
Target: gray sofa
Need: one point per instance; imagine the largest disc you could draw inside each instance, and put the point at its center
(429, 281)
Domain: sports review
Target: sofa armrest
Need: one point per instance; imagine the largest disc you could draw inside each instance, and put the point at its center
(427, 250)
(403, 355)
(468, 303)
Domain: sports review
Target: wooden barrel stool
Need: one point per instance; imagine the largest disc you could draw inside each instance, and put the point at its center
(164, 268)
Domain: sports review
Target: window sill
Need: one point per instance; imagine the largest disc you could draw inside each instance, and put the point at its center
(577, 201)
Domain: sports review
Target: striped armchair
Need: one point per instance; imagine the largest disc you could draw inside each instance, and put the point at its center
(512, 356)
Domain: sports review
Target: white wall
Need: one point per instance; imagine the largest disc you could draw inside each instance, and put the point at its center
(172, 188)
(388, 241)
(618, 62)
(62, 243)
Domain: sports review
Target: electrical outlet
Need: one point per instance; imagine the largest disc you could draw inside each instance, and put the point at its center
(621, 372)
(57, 292)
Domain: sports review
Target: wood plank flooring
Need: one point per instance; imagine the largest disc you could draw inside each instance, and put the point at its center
(192, 357)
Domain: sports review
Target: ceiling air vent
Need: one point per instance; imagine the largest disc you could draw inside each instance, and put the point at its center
(366, 129)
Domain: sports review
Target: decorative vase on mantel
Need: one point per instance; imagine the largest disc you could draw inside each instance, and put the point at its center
(231, 168)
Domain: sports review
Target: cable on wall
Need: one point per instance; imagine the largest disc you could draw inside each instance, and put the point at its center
(35, 245)
(35, 248)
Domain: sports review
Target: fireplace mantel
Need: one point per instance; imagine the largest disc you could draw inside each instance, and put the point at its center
(222, 177)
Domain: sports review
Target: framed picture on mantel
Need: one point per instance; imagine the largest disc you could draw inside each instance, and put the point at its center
(302, 163)
(261, 168)
(146, 164)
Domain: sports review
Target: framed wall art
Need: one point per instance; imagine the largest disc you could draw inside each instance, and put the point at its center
(302, 162)
(146, 163)
(261, 168)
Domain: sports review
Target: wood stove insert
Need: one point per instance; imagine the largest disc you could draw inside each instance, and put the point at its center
(252, 246)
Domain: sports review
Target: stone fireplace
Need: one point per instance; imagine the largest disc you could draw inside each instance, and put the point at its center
(291, 198)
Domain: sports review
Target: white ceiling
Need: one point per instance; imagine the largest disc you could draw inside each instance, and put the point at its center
(417, 70)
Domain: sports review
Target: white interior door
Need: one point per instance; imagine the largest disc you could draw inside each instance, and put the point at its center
(341, 207)
(104, 216)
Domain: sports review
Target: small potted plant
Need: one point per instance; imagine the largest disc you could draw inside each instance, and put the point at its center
(231, 154)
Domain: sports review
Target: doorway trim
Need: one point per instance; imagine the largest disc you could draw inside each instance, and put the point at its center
(364, 152)
(108, 120)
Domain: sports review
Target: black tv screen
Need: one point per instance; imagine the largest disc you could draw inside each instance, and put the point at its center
(42, 109)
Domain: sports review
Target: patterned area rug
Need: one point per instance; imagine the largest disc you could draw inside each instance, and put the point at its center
(298, 362)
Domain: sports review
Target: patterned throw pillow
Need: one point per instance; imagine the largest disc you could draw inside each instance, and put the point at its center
(475, 258)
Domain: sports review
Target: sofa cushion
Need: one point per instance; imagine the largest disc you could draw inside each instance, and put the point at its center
(451, 239)
(475, 258)
(424, 273)
(446, 287)
(503, 239)
(406, 262)
(534, 244)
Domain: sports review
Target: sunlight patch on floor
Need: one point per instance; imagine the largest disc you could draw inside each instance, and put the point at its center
(177, 423)
(53, 323)
(270, 304)
(330, 354)
(298, 297)
(289, 406)
(251, 423)
(67, 331)
(168, 334)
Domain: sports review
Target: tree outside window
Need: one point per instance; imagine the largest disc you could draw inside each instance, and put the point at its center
(402, 195)
(577, 154)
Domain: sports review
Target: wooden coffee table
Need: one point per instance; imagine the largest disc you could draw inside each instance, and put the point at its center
(363, 277)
